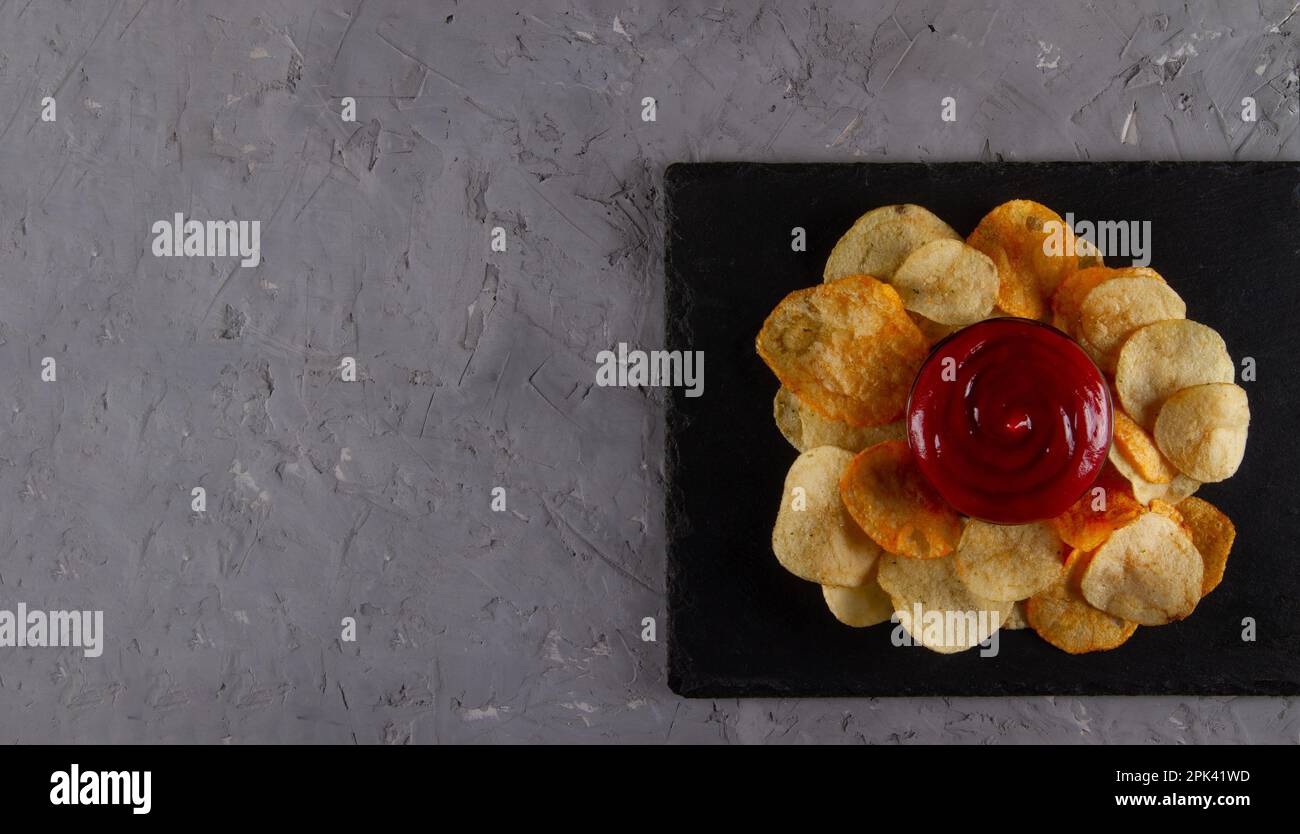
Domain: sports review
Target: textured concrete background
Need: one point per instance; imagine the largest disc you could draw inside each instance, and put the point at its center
(371, 499)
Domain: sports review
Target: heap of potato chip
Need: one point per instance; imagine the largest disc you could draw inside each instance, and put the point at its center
(858, 518)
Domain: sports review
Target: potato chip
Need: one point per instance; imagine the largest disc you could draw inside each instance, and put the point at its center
(1213, 534)
(1018, 293)
(818, 431)
(1169, 511)
(1140, 450)
(931, 331)
(1062, 617)
(1009, 562)
(859, 607)
(1115, 308)
(847, 349)
(1088, 254)
(1202, 430)
(1148, 572)
(1017, 619)
(1017, 237)
(952, 617)
(806, 429)
(1145, 491)
(1104, 508)
(947, 282)
(889, 499)
(1180, 488)
(881, 239)
(814, 537)
(789, 420)
(1067, 301)
(1164, 357)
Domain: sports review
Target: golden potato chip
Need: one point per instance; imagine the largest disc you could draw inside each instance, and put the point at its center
(1148, 572)
(847, 349)
(1115, 308)
(859, 607)
(814, 537)
(1146, 491)
(1202, 430)
(881, 239)
(1104, 508)
(1164, 357)
(1067, 301)
(1009, 562)
(1062, 617)
(1018, 293)
(889, 499)
(1017, 619)
(931, 331)
(951, 617)
(1017, 236)
(806, 429)
(1169, 511)
(1213, 534)
(1140, 450)
(1088, 254)
(947, 282)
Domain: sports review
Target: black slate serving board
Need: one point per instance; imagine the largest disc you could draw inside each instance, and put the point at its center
(1226, 237)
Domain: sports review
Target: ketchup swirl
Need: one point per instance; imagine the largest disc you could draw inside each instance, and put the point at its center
(1009, 421)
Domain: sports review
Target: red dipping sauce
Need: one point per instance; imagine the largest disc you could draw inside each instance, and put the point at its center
(1009, 420)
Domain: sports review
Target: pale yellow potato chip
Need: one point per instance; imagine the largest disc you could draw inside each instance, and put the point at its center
(815, 538)
(1146, 491)
(1149, 572)
(1213, 534)
(932, 331)
(881, 239)
(806, 429)
(1009, 562)
(1202, 430)
(818, 431)
(859, 607)
(1067, 301)
(1018, 618)
(789, 420)
(847, 349)
(1167, 356)
(947, 282)
(952, 618)
(1062, 617)
(1115, 308)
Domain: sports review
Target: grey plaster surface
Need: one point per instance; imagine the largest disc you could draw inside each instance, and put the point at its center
(329, 499)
